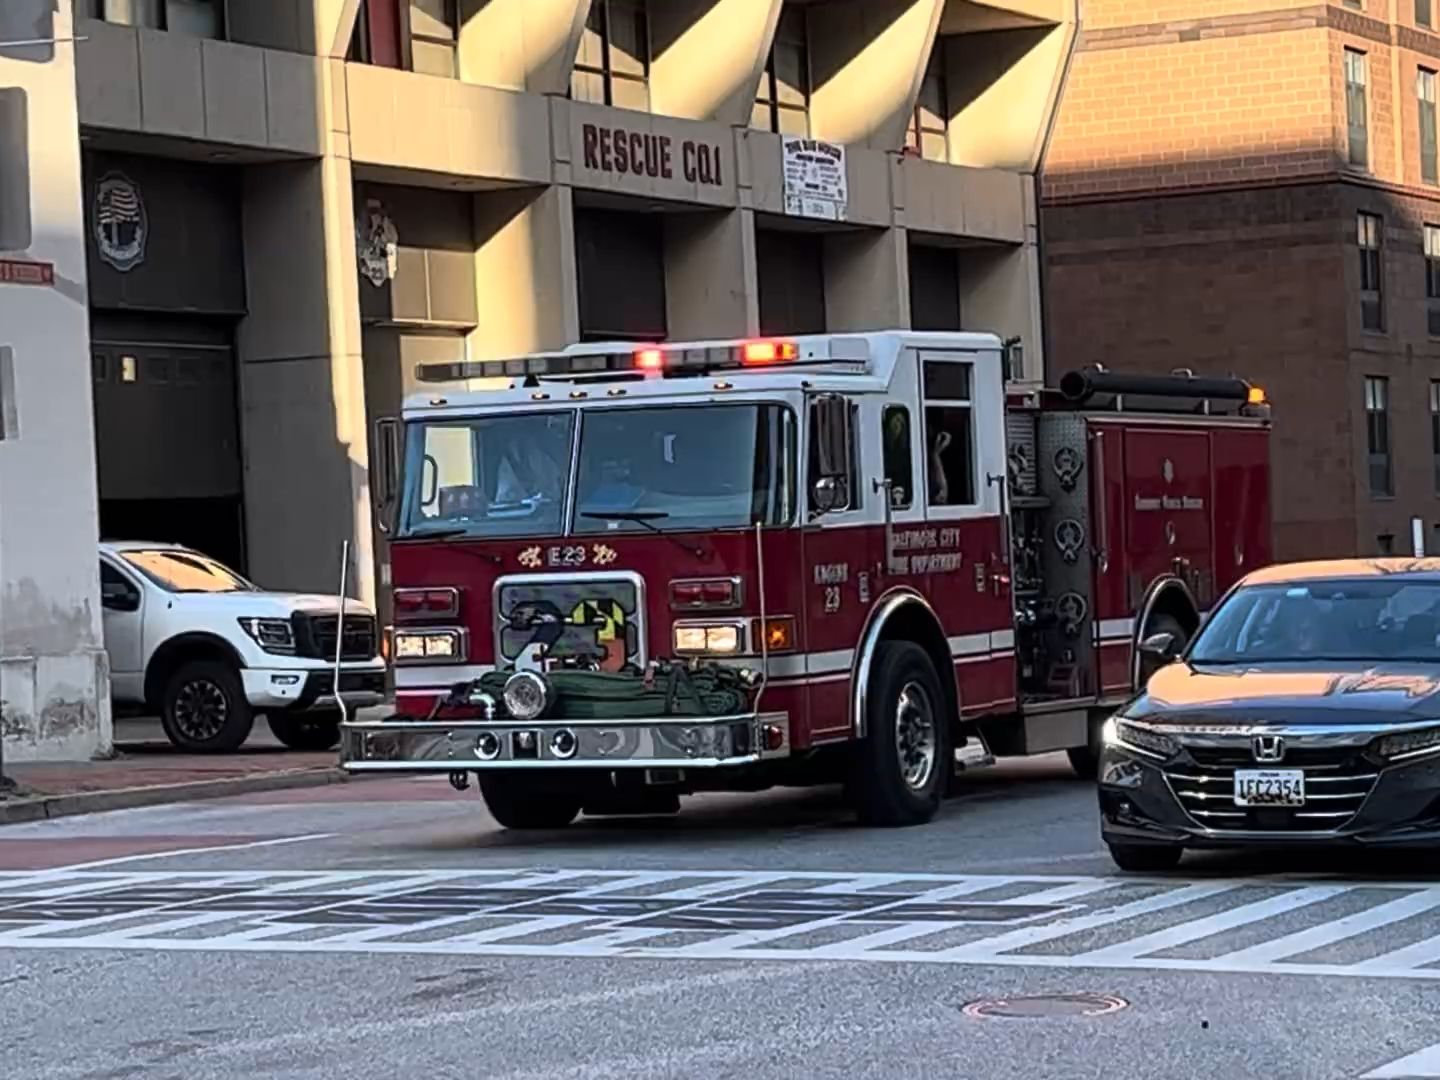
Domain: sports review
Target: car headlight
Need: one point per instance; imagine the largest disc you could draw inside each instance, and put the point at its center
(707, 639)
(446, 646)
(1408, 744)
(527, 695)
(1123, 733)
(272, 635)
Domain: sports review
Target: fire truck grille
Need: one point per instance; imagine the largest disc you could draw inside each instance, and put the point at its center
(575, 617)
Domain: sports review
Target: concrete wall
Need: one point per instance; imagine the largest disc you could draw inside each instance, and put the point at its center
(54, 697)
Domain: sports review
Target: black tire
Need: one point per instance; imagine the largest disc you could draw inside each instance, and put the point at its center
(203, 708)
(885, 788)
(1085, 760)
(1146, 858)
(518, 801)
(314, 732)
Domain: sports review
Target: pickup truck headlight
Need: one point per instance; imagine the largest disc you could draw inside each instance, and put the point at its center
(1408, 744)
(272, 635)
(442, 646)
(1148, 743)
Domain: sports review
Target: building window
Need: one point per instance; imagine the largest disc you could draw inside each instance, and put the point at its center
(613, 66)
(1371, 229)
(927, 135)
(1432, 279)
(1425, 93)
(200, 18)
(1435, 433)
(1377, 434)
(1355, 5)
(1424, 16)
(1356, 109)
(783, 102)
(432, 35)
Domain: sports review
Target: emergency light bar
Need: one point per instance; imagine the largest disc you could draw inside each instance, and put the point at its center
(649, 360)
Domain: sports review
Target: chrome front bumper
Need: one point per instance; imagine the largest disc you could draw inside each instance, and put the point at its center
(399, 745)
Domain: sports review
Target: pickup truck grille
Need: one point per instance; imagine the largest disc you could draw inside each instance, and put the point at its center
(1333, 795)
(315, 636)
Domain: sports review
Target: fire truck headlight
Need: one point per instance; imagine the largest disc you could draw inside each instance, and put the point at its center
(429, 646)
(527, 695)
(707, 639)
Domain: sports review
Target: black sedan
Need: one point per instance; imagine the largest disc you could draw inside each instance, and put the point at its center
(1305, 711)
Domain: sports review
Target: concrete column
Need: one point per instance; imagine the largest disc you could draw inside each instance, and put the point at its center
(711, 287)
(999, 294)
(1004, 86)
(525, 273)
(54, 677)
(521, 44)
(302, 384)
(867, 280)
(708, 56)
(867, 60)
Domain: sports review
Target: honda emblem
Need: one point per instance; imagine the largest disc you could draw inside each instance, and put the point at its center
(1268, 748)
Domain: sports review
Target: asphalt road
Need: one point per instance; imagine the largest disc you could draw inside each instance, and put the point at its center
(390, 929)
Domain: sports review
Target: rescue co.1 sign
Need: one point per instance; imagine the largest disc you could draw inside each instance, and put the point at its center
(654, 156)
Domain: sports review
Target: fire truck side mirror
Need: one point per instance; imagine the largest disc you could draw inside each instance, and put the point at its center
(385, 469)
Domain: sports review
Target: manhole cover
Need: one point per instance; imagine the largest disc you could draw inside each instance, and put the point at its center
(1042, 1005)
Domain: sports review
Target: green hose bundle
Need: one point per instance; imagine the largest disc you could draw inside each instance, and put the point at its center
(674, 691)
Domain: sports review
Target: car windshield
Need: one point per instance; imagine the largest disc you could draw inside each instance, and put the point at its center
(687, 467)
(186, 572)
(1369, 619)
(651, 468)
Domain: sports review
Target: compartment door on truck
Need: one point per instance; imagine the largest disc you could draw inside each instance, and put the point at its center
(1168, 511)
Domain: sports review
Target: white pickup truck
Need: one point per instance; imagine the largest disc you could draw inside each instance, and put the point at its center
(195, 642)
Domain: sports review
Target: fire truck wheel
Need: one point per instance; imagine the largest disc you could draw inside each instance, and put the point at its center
(899, 769)
(203, 708)
(518, 801)
(308, 731)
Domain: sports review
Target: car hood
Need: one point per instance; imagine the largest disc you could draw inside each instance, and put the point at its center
(266, 604)
(1310, 693)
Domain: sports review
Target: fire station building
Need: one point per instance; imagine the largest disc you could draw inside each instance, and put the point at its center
(288, 204)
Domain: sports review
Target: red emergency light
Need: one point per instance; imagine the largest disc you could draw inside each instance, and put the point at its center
(650, 360)
(768, 352)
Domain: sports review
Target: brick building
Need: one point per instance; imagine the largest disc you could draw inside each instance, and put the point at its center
(1251, 187)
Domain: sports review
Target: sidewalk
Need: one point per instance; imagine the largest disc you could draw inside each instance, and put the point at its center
(148, 771)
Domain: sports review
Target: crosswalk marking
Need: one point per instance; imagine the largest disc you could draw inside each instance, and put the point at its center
(1316, 937)
(1196, 929)
(1422, 1063)
(1055, 921)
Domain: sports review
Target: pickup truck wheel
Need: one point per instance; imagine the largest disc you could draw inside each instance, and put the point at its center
(518, 801)
(308, 731)
(203, 708)
(899, 769)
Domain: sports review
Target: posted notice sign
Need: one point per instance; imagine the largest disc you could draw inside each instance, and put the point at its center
(815, 184)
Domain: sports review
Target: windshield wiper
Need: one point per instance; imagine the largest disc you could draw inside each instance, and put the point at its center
(456, 532)
(645, 519)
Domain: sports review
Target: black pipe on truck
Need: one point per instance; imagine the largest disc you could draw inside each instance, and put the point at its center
(1079, 386)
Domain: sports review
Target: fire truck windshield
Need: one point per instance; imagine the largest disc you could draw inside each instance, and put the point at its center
(648, 468)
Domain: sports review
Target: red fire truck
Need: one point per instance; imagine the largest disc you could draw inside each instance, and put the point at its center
(624, 574)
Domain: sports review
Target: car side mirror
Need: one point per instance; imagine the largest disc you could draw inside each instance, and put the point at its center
(118, 597)
(1162, 646)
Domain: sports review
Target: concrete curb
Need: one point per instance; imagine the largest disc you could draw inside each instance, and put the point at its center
(41, 807)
